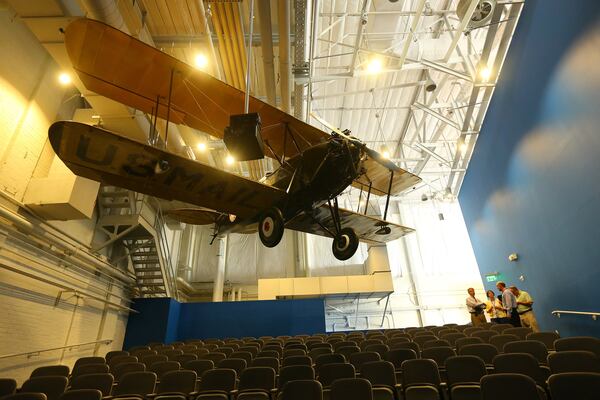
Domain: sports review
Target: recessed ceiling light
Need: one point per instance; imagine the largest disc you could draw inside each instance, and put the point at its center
(64, 78)
(200, 61)
(229, 160)
(201, 146)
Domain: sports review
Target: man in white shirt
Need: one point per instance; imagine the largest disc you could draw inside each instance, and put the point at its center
(475, 308)
(509, 302)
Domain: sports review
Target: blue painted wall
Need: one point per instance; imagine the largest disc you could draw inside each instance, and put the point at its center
(165, 320)
(533, 185)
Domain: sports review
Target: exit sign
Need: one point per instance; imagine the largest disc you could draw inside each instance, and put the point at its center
(495, 277)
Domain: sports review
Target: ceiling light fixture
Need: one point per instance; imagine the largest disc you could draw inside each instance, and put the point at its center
(201, 146)
(200, 61)
(463, 147)
(229, 160)
(430, 85)
(374, 66)
(485, 73)
(64, 78)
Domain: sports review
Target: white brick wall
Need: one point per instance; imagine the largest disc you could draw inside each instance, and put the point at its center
(30, 318)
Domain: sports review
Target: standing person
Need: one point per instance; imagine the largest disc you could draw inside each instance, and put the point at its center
(525, 309)
(475, 307)
(509, 301)
(494, 308)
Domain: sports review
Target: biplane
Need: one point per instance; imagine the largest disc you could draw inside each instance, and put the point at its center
(315, 167)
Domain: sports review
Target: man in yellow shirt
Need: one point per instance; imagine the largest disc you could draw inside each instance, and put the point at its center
(524, 308)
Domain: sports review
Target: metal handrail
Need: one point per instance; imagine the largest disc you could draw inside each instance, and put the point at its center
(33, 353)
(592, 314)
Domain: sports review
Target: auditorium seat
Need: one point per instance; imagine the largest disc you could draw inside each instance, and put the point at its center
(513, 386)
(410, 346)
(183, 358)
(216, 384)
(26, 396)
(398, 356)
(500, 340)
(573, 361)
(142, 353)
(297, 360)
(574, 385)
(211, 346)
(294, 373)
(500, 328)
(328, 359)
(188, 348)
(213, 356)
(236, 364)
(89, 369)
(330, 372)
(381, 349)
(351, 389)
(521, 332)
(396, 340)
(369, 342)
(115, 353)
(267, 353)
(180, 382)
(51, 386)
(484, 335)
(171, 354)
(420, 340)
(401, 335)
(548, 338)
(88, 360)
(81, 394)
(138, 348)
(199, 366)
(295, 346)
(256, 383)
(463, 374)
(347, 351)
(160, 368)
(226, 350)
(271, 362)
(424, 333)
(122, 369)
(344, 343)
(102, 382)
(302, 390)
(485, 351)
(121, 360)
(460, 342)
(471, 329)
(277, 349)
(579, 343)
(320, 351)
(250, 349)
(447, 331)
(522, 363)
(536, 349)
(452, 337)
(420, 380)
(149, 360)
(438, 354)
(138, 383)
(381, 374)
(293, 352)
(50, 370)
(358, 359)
(436, 343)
(200, 351)
(7, 386)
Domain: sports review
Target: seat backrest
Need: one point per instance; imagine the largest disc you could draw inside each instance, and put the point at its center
(295, 372)
(420, 371)
(369, 342)
(143, 352)
(466, 340)
(351, 389)
(379, 373)
(343, 343)
(420, 340)
(214, 356)
(302, 390)
(218, 379)
(537, 349)
(573, 361)
(7, 386)
(250, 349)
(520, 331)
(587, 343)
(574, 385)
(244, 355)
(410, 345)
(519, 363)
(520, 387)
(297, 360)
(500, 340)
(90, 369)
(447, 331)
(500, 328)
(548, 338)
(452, 337)
(268, 353)
(295, 346)
(330, 372)
(436, 343)
(381, 349)
(484, 335)
(398, 356)
(200, 351)
(271, 362)
(51, 386)
(183, 358)
(319, 351)
(468, 331)
(26, 396)
(102, 382)
(122, 360)
(293, 352)
(318, 345)
(140, 383)
(114, 353)
(199, 366)
(149, 360)
(182, 381)
(485, 351)
(438, 354)
(262, 378)
(329, 359)
(160, 368)
(89, 360)
(122, 369)
(81, 394)
(226, 350)
(50, 370)
(236, 364)
(464, 369)
(396, 340)
(188, 348)
(358, 359)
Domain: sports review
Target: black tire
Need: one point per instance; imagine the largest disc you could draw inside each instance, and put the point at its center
(271, 227)
(345, 244)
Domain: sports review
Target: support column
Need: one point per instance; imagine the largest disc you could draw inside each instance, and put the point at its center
(378, 260)
(220, 277)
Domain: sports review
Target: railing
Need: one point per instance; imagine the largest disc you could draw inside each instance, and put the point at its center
(594, 315)
(70, 347)
(164, 249)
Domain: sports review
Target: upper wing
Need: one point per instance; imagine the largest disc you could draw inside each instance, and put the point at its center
(101, 155)
(116, 65)
(364, 225)
(378, 174)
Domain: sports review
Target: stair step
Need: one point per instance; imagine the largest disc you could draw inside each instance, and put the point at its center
(143, 253)
(148, 284)
(150, 269)
(143, 292)
(149, 279)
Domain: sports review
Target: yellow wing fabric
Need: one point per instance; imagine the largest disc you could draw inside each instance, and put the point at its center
(365, 226)
(100, 155)
(378, 174)
(116, 65)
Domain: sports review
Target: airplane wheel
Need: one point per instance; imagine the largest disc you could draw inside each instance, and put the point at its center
(270, 227)
(345, 244)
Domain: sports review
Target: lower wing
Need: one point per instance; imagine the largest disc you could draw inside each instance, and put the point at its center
(366, 227)
(103, 156)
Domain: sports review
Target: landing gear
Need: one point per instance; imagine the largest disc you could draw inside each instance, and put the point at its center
(271, 227)
(345, 244)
